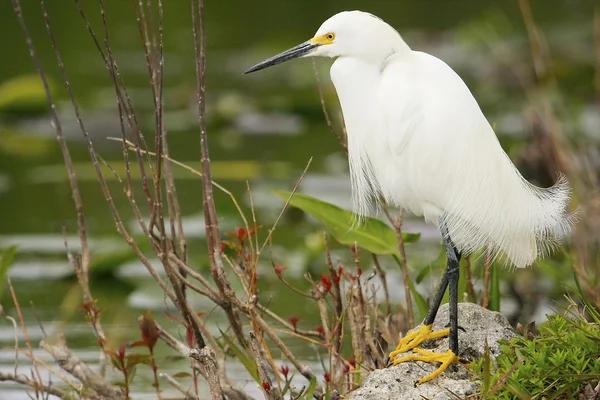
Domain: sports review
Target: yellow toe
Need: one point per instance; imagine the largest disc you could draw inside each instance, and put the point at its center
(415, 338)
(445, 359)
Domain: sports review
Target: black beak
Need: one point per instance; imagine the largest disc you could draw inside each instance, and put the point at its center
(295, 52)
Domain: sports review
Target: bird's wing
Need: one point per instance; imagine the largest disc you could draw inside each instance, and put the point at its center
(450, 159)
(400, 103)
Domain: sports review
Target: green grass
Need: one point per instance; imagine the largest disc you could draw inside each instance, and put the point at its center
(556, 363)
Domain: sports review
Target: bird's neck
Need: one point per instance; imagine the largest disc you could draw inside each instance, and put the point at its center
(356, 82)
(385, 49)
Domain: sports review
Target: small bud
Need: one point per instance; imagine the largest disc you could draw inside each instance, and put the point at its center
(294, 321)
(284, 371)
(279, 269)
(326, 283)
(266, 386)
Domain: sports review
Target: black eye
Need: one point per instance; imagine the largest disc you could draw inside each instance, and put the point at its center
(330, 36)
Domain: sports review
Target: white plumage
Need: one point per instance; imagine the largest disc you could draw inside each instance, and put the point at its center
(417, 138)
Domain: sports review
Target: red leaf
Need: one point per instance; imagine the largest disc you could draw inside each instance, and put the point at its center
(122, 350)
(349, 364)
(284, 371)
(241, 234)
(294, 321)
(326, 283)
(320, 330)
(340, 272)
(279, 269)
(189, 336)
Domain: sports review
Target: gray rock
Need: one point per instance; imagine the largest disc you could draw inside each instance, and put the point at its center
(398, 382)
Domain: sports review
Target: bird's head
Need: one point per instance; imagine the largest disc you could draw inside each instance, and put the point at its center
(346, 34)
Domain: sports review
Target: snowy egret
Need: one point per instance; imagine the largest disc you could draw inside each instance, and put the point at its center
(418, 139)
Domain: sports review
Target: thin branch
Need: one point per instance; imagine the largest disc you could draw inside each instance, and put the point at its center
(35, 385)
(24, 329)
(284, 208)
(186, 392)
(486, 279)
(303, 369)
(206, 359)
(339, 137)
(213, 240)
(597, 50)
(382, 278)
(337, 296)
(271, 391)
(70, 363)
(397, 224)
(538, 49)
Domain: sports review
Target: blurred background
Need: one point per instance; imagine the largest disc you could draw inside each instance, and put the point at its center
(534, 71)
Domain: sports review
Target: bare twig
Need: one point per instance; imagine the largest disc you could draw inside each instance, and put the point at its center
(538, 48)
(179, 387)
(397, 224)
(597, 50)
(61, 138)
(34, 384)
(24, 329)
(303, 369)
(268, 238)
(339, 137)
(271, 391)
(486, 279)
(71, 364)
(337, 297)
(382, 277)
(206, 359)
(213, 240)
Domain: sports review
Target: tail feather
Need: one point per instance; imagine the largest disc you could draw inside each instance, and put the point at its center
(507, 214)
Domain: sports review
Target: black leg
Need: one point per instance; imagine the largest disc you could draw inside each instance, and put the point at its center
(437, 299)
(452, 271)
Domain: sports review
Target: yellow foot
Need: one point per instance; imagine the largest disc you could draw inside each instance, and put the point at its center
(446, 359)
(415, 338)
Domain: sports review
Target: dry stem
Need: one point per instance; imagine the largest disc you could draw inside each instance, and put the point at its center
(71, 364)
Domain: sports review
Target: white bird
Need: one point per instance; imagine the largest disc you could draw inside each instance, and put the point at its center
(418, 139)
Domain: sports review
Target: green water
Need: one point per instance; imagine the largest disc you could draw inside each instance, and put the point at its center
(262, 128)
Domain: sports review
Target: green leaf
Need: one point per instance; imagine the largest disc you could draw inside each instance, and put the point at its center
(287, 385)
(422, 305)
(7, 258)
(423, 274)
(494, 289)
(311, 388)
(487, 369)
(131, 371)
(372, 234)
(248, 363)
(131, 360)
